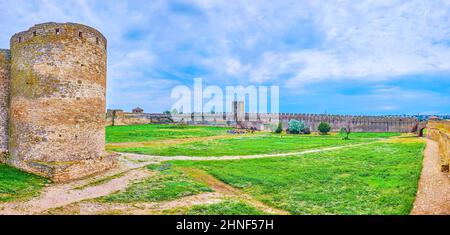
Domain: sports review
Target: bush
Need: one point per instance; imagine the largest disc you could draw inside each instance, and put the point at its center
(324, 128)
(279, 128)
(296, 126)
(307, 131)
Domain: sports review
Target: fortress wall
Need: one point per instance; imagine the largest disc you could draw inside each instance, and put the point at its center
(268, 122)
(4, 102)
(121, 118)
(58, 87)
(359, 123)
(439, 131)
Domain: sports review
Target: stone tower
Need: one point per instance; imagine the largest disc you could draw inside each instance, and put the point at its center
(4, 101)
(57, 101)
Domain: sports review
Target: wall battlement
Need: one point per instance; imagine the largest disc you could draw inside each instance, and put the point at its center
(267, 122)
(56, 101)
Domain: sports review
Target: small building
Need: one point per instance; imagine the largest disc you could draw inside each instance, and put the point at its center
(138, 110)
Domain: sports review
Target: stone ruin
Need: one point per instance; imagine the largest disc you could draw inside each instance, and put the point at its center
(53, 102)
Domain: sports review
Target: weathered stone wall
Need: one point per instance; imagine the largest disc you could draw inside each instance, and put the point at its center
(439, 131)
(121, 118)
(4, 100)
(58, 87)
(267, 122)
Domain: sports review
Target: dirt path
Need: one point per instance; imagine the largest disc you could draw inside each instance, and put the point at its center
(225, 189)
(152, 158)
(71, 197)
(221, 193)
(148, 208)
(58, 195)
(433, 195)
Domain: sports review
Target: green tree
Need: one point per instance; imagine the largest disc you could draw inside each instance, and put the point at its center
(279, 128)
(324, 128)
(296, 126)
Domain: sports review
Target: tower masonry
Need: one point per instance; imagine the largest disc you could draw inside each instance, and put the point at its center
(57, 101)
(4, 102)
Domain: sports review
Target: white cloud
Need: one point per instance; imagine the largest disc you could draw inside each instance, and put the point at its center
(289, 43)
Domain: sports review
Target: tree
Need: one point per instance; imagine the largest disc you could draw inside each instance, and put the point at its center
(324, 128)
(166, 112)
(347, 129)
(279, 128)
(296, 126)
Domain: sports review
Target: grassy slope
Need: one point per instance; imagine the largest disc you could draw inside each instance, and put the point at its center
(137, 133)
(17, 185)
(375, 179)
(248, 145)
(170, 184)
(224, 208)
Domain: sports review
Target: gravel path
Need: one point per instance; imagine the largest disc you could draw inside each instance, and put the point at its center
(433, 195)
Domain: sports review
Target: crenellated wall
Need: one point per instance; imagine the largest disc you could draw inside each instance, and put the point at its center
(120, 118)
(4, 102)
(267, 122)
(439, 131)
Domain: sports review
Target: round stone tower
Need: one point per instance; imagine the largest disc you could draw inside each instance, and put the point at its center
(57, 101)
(4, 102)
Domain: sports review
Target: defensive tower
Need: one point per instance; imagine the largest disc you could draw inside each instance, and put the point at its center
(57, 101)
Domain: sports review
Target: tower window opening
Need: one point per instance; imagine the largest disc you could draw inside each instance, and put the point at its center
(34, 34)
(80, 34)
(97, 41)
(20, 39)
(57, 31)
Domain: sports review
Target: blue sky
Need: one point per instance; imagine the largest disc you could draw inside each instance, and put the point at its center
(343, 57)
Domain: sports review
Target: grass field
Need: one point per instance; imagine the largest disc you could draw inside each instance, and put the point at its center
(18, 185)
(380, 178)
(168, 184)
(377, 178)
(136, 133)
(228, 207)
(260, 143)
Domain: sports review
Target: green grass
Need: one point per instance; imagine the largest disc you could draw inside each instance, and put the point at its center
(380, 178)
(138, 133)
(228, 207)
(247, 145)
(169, 184)
(101, 181)
(18, 185)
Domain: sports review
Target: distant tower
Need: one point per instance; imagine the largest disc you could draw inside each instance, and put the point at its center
(238, 110)
(57, 102)
(4, 100)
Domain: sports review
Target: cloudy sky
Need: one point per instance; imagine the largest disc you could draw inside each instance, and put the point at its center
(344, 57)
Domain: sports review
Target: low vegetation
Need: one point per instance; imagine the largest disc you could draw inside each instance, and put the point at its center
(137, 133)
(296, 126)
(168, 184)
(324, 128)
(379, 178)
(252, 144)
(18, 185)
(228, 207)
